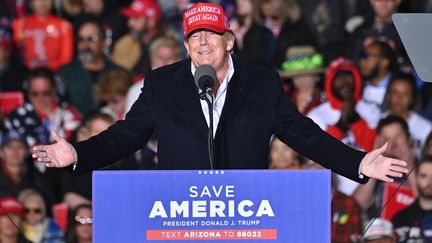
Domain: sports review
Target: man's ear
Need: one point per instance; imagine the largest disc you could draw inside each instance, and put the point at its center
(230, 39)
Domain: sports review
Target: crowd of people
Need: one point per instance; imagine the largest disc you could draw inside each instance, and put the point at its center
(77, 66)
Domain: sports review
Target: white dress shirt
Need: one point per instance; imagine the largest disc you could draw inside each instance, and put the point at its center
(220, 96)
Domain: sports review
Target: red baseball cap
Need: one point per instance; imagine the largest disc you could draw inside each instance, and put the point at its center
(205, 16)
(143, 8)
(11, 205)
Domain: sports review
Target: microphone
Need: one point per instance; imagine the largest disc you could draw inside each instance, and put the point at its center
(205, 77)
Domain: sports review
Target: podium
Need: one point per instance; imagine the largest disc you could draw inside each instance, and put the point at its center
(289, 206)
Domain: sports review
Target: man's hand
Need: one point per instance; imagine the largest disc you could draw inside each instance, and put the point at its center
(375, 165)
(59, 154)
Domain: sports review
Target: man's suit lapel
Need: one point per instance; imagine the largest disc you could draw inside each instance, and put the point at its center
(238, 88)
(186, 96)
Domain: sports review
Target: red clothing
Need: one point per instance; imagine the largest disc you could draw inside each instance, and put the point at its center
(346, 218)
(44, 41)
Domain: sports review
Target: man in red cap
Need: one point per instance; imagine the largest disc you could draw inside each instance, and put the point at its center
(11, 214)
(249, 107)
(145, 25)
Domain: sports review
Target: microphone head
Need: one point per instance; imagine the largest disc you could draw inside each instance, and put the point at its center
(205, 77)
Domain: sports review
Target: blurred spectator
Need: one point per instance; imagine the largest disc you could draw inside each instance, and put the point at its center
(37, 226)
(377, 26)
(394, 131)
(381, 231)
(401, 98)
(283, 18)
(112, 89)
(145, 25)
(163, 51)
(304, 66)
(413, 224)
(17, 173)
(81, 225)
(345, 215)
(78, 189)
(12, 74)
(281, 156)
(11, 215)
(105, 12)
(69, 9)
(42, 38)
(83, 73)
(326, 20)
(377, 65)
(341, 115)
(43, 112)
(254, 42)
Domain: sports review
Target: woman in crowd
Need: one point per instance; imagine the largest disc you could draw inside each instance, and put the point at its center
(80, 230)
(37, 226)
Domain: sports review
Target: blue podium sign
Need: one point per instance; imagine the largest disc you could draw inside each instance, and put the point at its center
(287, 206)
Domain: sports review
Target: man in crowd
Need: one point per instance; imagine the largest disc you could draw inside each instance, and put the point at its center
(82, 74)
(340, 116)
(145, 25)
(376, 65)
(250, 105)
(414, 224)
(394, 131)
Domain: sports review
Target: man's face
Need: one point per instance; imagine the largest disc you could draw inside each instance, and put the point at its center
(14, 153)
(343, 86)
(400, 96)
(370, 63)
(424, 180)
(137, 25)
(41, 93)
(164, 55)
(396, 138)
(90, 43)
(208, 47)
(41, 7)
(384, 8)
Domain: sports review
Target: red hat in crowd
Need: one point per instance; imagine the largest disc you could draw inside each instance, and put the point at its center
(143, 8)
(205, 16)
(10, 205)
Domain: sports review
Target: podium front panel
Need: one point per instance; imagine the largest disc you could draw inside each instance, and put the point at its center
(289, 206)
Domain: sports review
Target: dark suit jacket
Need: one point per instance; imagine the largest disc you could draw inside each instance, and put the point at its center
(255, 108)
